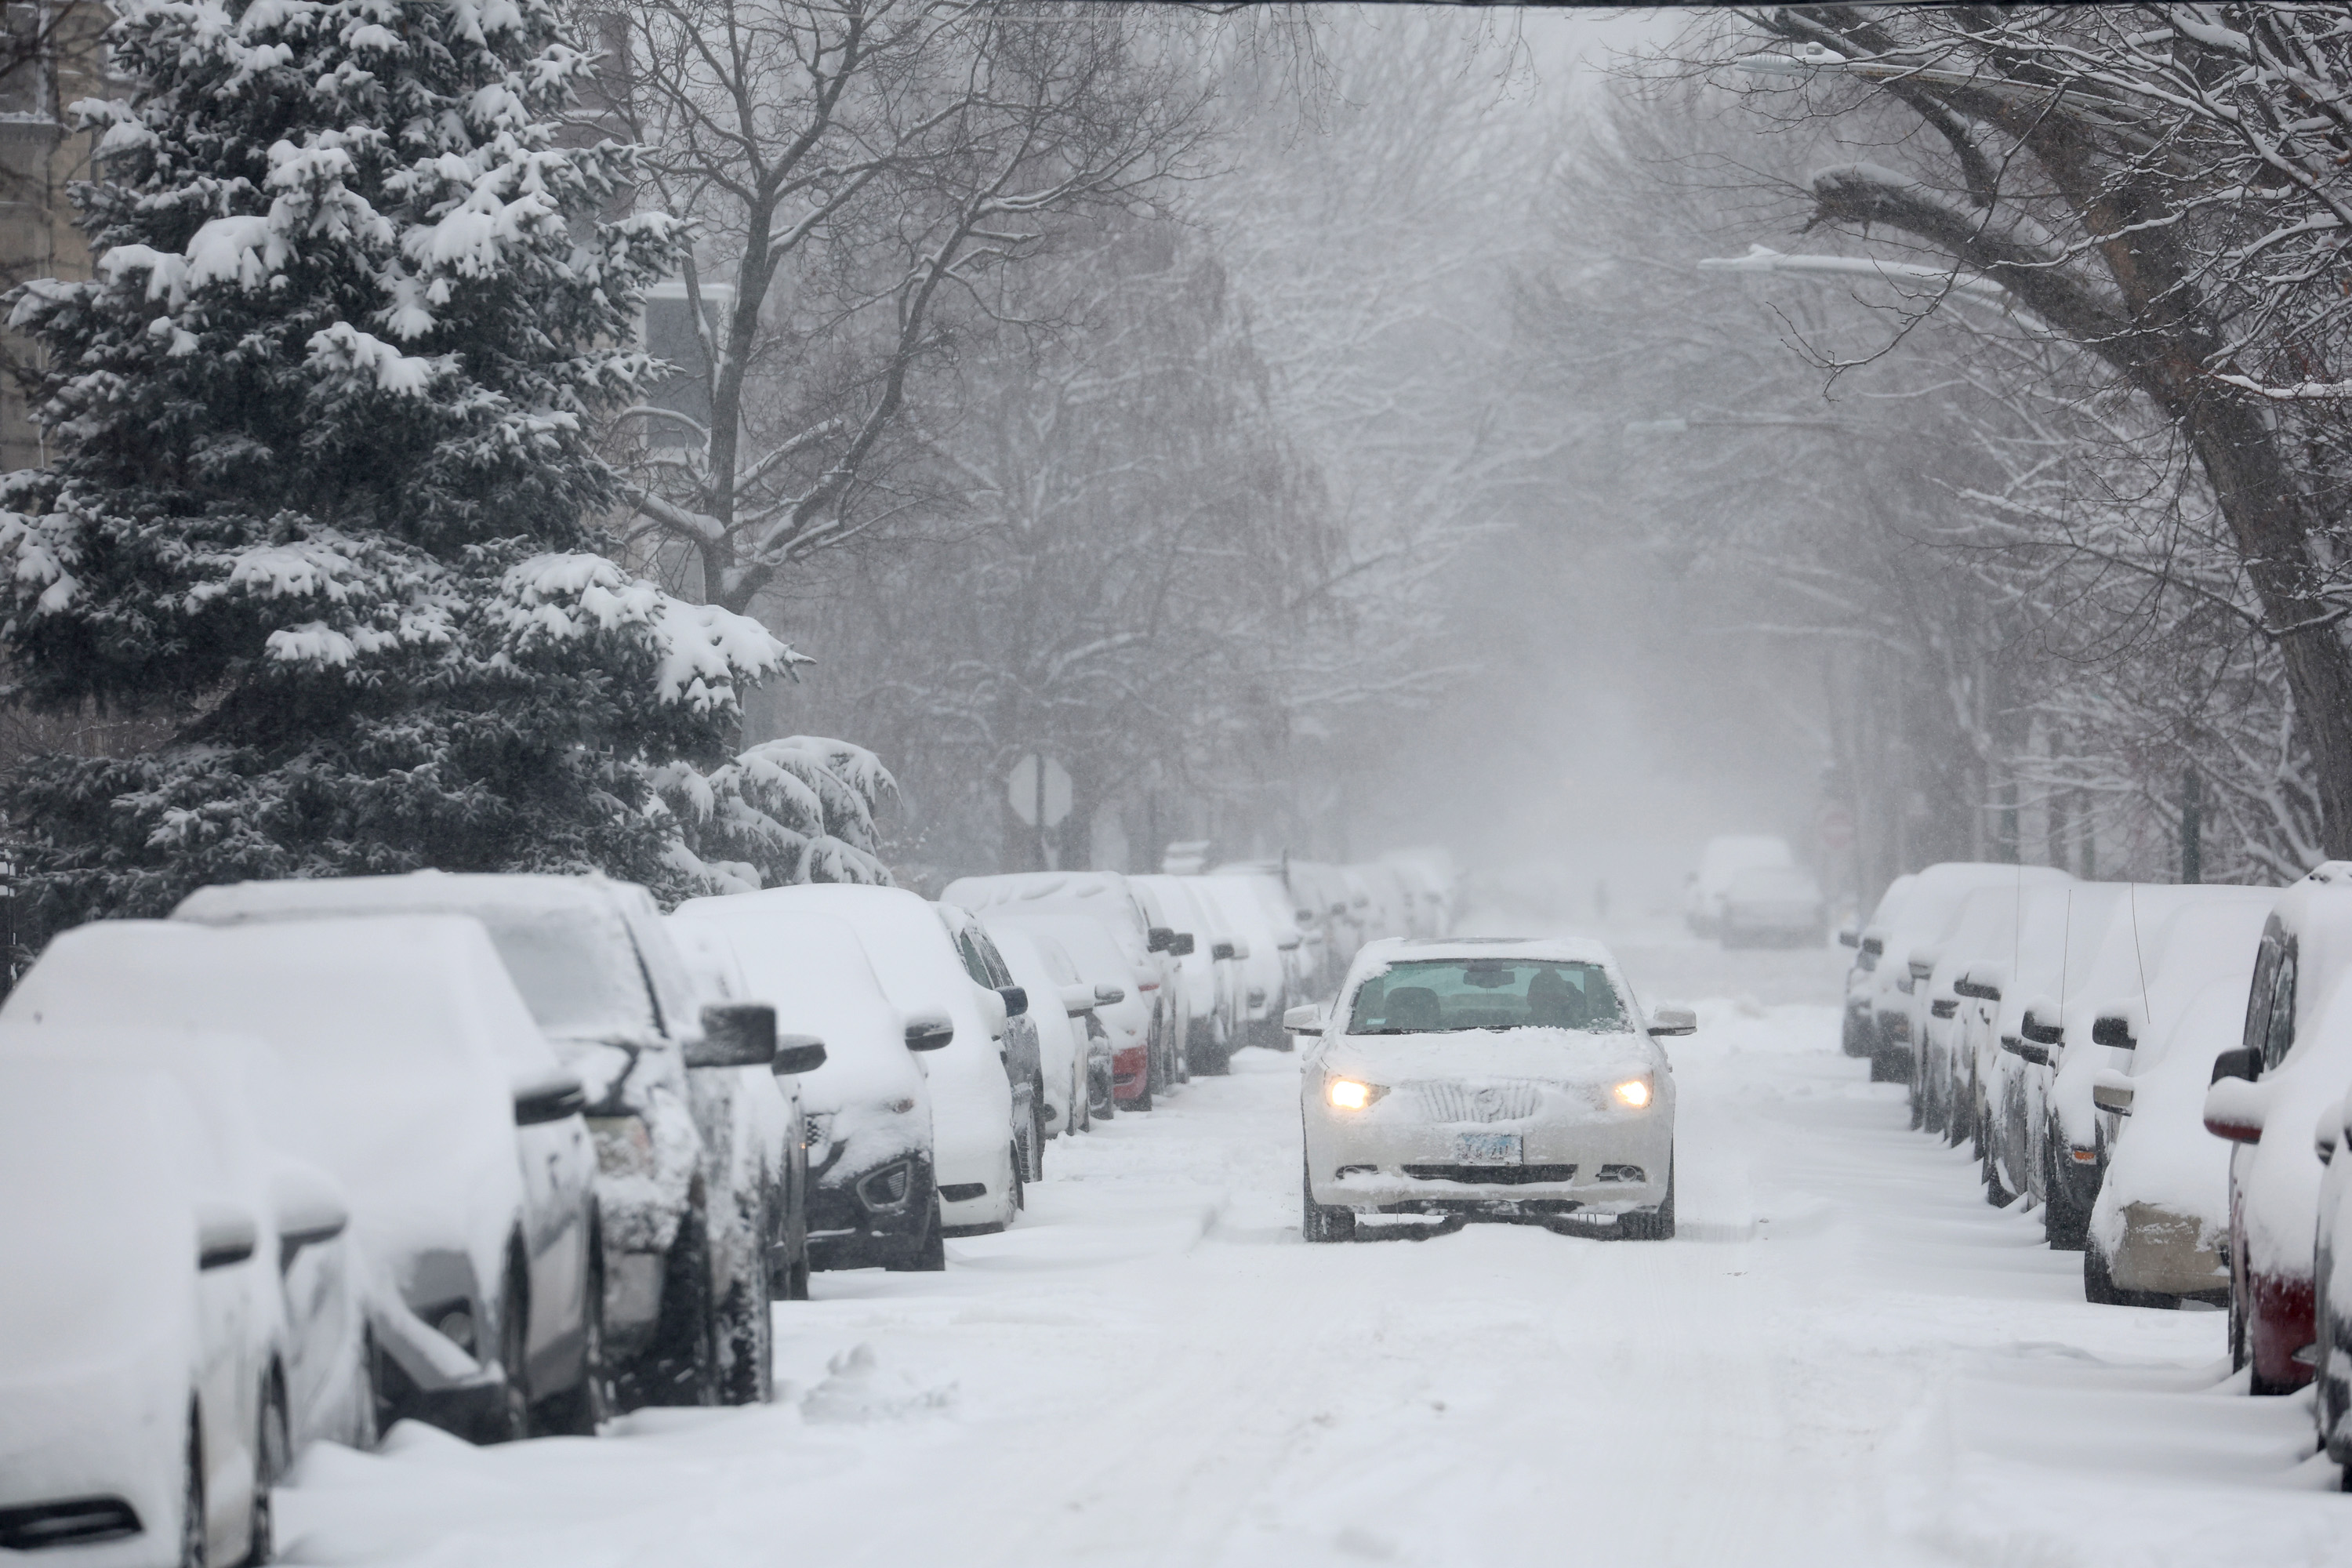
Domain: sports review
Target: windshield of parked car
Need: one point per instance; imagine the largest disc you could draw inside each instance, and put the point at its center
(576, 968)
(1446, 995)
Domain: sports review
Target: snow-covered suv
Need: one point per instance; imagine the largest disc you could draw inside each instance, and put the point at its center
(701, 1178)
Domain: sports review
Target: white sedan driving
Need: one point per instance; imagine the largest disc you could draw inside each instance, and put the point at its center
(1484, 1077)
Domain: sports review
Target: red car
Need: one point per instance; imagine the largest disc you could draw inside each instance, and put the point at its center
(2267, 1098)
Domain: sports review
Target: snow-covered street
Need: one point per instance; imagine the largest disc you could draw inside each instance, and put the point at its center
(1846, 1357)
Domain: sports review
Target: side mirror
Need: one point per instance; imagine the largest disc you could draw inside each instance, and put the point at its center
(1077, 999)
(1285, 943)
(1181, 944)
(2235, 1109)
(1158, 939)
(735, 1034)
(1016, 1000)
(1669, 1021)
(1241, 949)
(2240, 1063)
(2040, 1031)
(2038, 1055)
(1969, 986)
(309, 1206)
(2328, 1133)
(548, 1099)
(224, 1235)
(1222, 950)
(1110, 995)
(2111, 1029)
(797, 1053)
(2113, 1091)
(1304, 1019)
(928, 1031)
(1258, 995)
(1849, 937)
(1874, 945)
(1339, 912)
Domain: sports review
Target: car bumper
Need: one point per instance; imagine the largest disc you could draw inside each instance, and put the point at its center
(1130, 1071)
(2169, 1254)
(1604, 1165)
(864, 1218)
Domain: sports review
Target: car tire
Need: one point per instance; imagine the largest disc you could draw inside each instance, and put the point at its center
(1653, 1225)
(2098, 1279)
(580, 1410)
(1036, 1171)
(195, 1545)
(511, 1421)
(1143, 1101)
(1319, 1222)
(2065, 1225)
(746, 1331)
(273, 1456)
(680, 1365)
(928, 1252)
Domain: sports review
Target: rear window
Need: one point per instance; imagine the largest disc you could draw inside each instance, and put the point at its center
(1456, 995)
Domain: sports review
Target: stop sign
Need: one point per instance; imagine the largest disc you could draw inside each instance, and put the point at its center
(1835, 828)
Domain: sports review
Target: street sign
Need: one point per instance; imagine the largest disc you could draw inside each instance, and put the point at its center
(1835, 828)
(1037, 800)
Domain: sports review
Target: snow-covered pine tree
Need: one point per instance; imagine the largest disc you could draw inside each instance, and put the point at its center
(324, 489)
(796, 810)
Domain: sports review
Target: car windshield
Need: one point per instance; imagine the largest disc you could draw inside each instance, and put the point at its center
(1447, 996)
(576, 969)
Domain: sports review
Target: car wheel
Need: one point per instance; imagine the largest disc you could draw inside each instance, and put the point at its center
(1653, 1225)
(581, 1409)
(273, 1456)
(1319, 1222)
(2098, 1279)
(747, 1330)
(510, 1423)
(1018, 1188)
(196, 1546)
(1036, 1171)
(681, 1367)
(931, 1254)
(2065, 1225)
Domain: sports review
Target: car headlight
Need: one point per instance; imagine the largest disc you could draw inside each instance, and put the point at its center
(1633, 1093)
(1350, 1094)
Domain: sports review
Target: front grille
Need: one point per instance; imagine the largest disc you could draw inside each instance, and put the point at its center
(1492, 1176)
(1507, 1101)
(83, 1522)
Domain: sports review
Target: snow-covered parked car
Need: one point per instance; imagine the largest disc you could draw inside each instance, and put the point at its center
(1285, 890)
(1488, 1079)
(1124, 1017)
(142, 1406)
(2019, 1026)
(1209, 968)
(1723, 858)
(1105, 897)
(907, 942)
(867, 1108)
(1062, 1006)
(1957, 914)
(701, 1223)
(241, 1093)
(2146, 1193)
(1858, 1029)
(1772, 905)
(1267, 954)
(420, 1084)
(1024, 1066)
(2267, 1098)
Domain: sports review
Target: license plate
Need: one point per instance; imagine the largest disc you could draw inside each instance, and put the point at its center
(1487, 1148)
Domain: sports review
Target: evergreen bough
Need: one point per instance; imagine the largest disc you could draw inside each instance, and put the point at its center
(325, 493)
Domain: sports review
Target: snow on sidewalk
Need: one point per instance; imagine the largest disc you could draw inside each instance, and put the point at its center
(1847, 1358)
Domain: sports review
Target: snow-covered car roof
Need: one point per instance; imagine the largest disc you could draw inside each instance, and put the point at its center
(567, 939)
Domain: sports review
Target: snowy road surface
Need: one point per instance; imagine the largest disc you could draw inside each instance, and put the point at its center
(1847, 1358)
